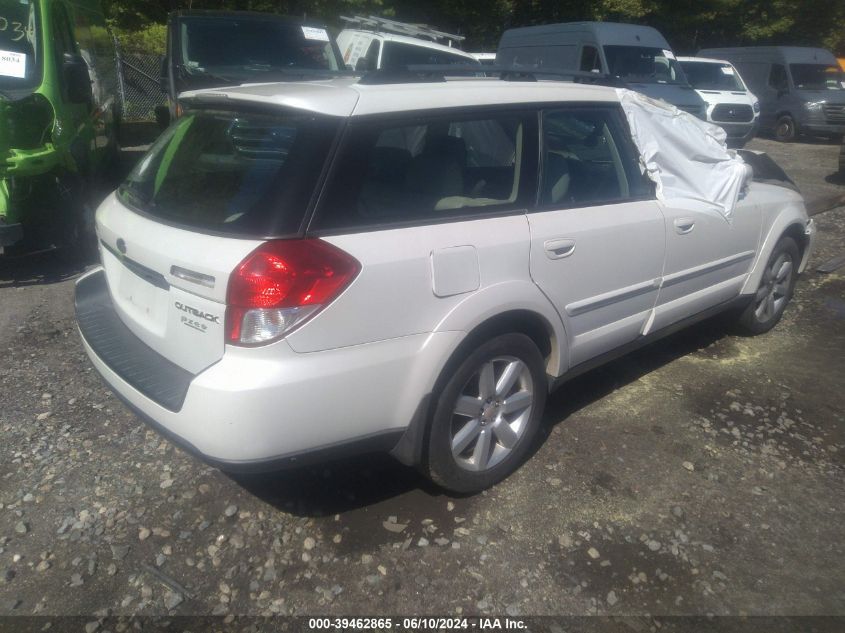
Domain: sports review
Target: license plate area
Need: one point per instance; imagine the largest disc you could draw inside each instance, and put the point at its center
(144, 303)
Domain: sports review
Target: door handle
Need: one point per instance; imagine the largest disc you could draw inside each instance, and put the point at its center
(558, 249)
(684, 225)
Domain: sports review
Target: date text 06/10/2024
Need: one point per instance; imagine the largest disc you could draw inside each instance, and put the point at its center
(415, 624)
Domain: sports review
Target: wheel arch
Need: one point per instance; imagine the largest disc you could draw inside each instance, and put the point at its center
(516, 321)
(790, 223)
(514, 306)
(534, 318)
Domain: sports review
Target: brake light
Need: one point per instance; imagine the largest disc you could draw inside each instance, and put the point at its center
(281, 284)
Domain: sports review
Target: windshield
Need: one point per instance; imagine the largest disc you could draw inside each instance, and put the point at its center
(240, 47)
(713, 76)
(642, 64)
(234, 173)
(816, 77)
(398, 55)
(20, 52)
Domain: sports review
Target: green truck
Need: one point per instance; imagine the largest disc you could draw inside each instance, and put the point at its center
(58, 119)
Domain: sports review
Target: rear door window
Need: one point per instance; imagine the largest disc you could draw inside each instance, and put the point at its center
(589, 159)
(431, 169)
(238, 173)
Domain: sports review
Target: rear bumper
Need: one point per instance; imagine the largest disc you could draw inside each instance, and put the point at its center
(266, 408)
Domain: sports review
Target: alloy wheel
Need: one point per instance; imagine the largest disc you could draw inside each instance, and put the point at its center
(774, 288)
(491, 413)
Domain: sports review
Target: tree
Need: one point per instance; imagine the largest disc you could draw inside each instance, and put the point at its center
(687, 24)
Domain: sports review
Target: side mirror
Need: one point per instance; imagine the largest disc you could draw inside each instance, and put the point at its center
(363, 65)
(76, 79)
(163, 79)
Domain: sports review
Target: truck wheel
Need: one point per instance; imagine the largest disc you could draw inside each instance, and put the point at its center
(775, 289)
(487, 415)
(785, 129)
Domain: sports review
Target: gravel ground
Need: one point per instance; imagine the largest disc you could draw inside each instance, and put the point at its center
(701, 475)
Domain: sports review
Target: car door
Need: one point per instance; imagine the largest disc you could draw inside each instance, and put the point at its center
(597, 235)
(777, 93)
(707, 257)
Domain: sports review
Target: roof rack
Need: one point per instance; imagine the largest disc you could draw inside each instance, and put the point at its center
(401, 28)
(437, 73)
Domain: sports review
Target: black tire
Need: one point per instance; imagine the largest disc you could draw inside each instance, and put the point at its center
(77, 243)
(785, 129)
(451, 472)
(756, 318)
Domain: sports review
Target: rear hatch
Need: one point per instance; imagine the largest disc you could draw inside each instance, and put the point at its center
(215, 186)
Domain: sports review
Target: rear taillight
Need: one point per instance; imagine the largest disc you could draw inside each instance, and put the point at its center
(281, 284)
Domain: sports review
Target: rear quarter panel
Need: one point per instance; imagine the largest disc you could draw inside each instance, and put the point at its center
(394, 295)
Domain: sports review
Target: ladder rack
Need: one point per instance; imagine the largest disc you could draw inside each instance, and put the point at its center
(374, 23)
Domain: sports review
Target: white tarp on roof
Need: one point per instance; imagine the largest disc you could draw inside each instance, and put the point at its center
(684, 156)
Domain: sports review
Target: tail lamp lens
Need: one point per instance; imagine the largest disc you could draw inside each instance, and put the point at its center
(281, 284)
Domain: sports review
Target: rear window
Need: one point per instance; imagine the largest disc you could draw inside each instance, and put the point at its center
(236, 173)
(431, 169)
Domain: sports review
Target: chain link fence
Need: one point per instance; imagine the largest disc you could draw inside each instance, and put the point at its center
(139, 85)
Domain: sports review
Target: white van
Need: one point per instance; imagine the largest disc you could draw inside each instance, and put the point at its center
(799, 87)
(730, 104)
(638, 55)
(378, 43)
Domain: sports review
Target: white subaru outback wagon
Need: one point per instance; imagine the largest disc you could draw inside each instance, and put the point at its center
(304, 269)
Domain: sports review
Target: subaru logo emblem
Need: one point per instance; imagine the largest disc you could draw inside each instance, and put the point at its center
(121, 245)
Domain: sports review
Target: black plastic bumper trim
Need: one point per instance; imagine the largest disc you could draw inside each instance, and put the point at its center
(10, 234)
(124, 353)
